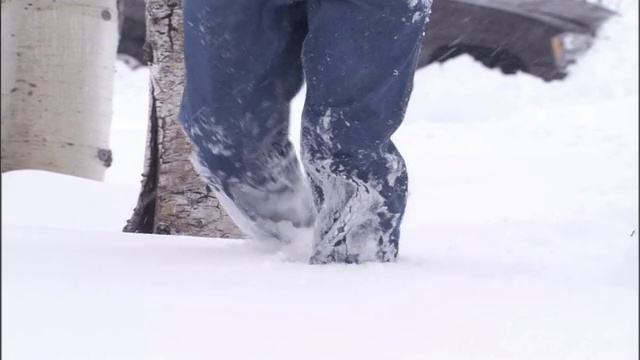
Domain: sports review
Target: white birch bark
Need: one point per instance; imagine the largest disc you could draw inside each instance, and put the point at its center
(173, 198)
(58, 67)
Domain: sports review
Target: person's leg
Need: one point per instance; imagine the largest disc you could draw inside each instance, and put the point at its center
(359, 60)
(243, 67)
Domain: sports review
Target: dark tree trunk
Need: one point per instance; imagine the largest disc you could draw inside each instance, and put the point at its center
(173, 198)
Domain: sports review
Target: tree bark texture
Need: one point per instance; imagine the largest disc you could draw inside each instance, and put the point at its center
(58, 70)
(173, 199)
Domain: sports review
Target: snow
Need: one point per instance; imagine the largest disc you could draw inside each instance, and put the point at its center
(520, 239)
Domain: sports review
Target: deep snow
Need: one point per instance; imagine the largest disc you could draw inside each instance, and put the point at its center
(520, 240)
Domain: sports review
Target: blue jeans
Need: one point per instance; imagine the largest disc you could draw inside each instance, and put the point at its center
(246, 59)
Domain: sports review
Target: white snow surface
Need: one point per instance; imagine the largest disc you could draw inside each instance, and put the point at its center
(520, 239)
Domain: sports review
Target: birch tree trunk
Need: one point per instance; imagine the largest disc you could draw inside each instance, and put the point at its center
(173, 198)
(58, 67)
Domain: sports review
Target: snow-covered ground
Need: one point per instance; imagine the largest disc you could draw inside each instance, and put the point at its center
(520, 240)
